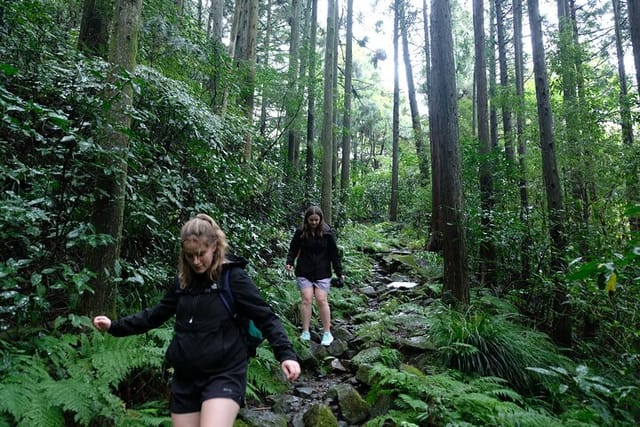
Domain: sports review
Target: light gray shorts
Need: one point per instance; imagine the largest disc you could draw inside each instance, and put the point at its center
(322, 284)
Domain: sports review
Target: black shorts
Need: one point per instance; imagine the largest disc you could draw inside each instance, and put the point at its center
(188, 392)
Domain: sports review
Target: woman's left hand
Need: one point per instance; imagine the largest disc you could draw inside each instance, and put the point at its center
(290, 369)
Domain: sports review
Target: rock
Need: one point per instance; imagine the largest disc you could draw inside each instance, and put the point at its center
(255, 418)
(353, 407)
(319, 415)
(285, 404)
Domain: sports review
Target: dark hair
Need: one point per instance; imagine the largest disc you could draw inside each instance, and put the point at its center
(308, 231)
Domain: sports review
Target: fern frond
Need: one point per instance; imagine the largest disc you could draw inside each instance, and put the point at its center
(114, 358)
(263, 375)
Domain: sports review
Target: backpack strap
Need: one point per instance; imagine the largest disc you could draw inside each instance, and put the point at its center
(225, 293)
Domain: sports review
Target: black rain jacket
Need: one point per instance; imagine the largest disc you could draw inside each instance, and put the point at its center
(207, 339)
(315, 255)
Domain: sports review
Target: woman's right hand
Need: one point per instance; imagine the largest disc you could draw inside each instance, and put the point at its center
(102, 323)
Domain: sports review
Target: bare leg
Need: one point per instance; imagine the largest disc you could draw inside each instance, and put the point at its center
(323, 308)
(191, 419)
(219, 412)
(306, 307)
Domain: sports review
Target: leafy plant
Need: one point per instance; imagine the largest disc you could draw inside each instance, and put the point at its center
(71, 376)
(475, 342)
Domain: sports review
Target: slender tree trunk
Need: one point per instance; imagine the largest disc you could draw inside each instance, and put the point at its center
(487, 250)
(626, 123)
(346, 120)
(491, 58)
(334, 91)
(266, 54)
(443, 117)
(393, 204)
(507, 125)
(94, 27)
(435, 233)
(418, 135)
(311, 99)
(562, 325)
(242, 48)
(110, 190)
(292, 100)
(327, 117)
(520, 138)
(633, 9)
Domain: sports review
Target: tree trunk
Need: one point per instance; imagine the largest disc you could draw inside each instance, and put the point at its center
(94, 27)
(507, 126)
(293, 100)
(434, 243)
(311, 100)
(633, 9)
(346, 120)
(110, 190)
(242, 48)
(395, 136)
(418, 135)
(562, 326)
(487, 251)
(626, 123)
(266, 54)
(327, 117)
(443, 117)
(520, 138)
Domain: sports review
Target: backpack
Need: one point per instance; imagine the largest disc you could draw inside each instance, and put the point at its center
(253, 335)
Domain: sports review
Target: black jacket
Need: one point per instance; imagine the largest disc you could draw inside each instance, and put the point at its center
(207, 339)
(316, 255)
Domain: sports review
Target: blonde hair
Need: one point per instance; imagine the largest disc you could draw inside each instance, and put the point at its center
(202, 226)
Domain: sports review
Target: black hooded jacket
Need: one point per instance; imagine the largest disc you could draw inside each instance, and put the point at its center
(316, 255)
(207, 339)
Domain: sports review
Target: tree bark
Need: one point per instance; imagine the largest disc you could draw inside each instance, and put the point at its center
(395, 133)
(327, 117)
(110, 189)
(418, 135)
(507, 126)
(520, 137)
(443, 117)
(487, 251)
(311, 100)
(346, 119)
(94, 27)
(626, 121)
(561, 326)
(293, 100)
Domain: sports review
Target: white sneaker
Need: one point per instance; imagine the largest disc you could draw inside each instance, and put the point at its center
(305, 336)
(327, 339)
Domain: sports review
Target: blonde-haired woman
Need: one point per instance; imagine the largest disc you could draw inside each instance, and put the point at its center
(208, 352)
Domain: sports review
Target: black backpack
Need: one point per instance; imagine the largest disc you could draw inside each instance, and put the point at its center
(253, 335)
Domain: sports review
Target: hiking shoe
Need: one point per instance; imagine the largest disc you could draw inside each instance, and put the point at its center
(305, 336)
(327, 338)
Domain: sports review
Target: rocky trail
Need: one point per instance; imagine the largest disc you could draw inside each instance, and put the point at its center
(332, 389)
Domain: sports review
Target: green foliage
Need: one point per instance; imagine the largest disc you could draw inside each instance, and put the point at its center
(71, 373)
(446, 398)
(264, 377)
(478, 343)
(609, 402)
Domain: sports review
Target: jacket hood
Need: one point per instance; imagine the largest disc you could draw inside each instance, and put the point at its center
(232, 259)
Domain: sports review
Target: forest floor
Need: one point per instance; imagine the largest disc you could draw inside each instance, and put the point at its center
(329, 367)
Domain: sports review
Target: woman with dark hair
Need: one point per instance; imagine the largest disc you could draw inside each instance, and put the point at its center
(314, 252)
(209, 352)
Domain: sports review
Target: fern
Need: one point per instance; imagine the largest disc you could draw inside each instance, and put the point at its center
(444, 399)
(72, 375)
(262, 376)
